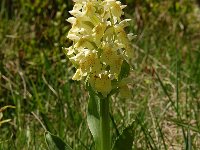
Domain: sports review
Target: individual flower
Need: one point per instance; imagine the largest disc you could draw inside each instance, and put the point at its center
(101, 83)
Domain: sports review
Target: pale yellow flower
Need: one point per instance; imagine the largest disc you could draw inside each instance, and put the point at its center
(98, 32)
(115, 8)
(110, 57)
(84, 43)
(78, 75)
(101, 83)
(100, 43)
(108, 54)
(90, 63)
(89, 9)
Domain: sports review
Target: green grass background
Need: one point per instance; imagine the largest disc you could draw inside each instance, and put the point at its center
(35, 76)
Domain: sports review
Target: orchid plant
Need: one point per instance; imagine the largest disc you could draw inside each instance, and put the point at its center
(101, 51)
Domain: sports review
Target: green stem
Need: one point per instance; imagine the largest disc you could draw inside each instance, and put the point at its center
(105, 124)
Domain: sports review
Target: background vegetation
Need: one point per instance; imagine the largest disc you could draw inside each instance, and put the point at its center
(35, 76)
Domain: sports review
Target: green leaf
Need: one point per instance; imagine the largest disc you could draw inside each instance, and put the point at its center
(125, 140)
(125, 70)
(93, 116)
(184, 125)
(47, 123)
(55, 143)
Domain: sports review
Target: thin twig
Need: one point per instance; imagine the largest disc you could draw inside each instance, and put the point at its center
(39, 121)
